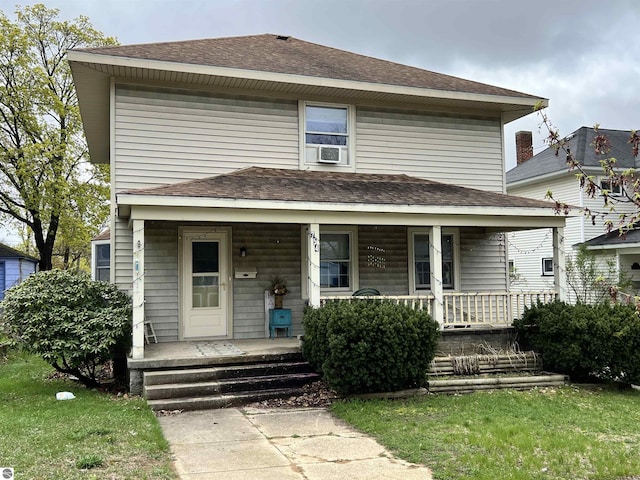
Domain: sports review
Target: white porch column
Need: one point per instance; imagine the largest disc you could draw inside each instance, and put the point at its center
(138, 289)
(435, 262)
(559, 263)
(313, 262)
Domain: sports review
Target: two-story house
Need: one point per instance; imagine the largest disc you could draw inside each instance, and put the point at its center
(234, 160)
(531, 252)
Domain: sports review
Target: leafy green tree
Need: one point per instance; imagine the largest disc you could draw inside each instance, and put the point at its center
(628, 179)
(46, 182)
(592, 279)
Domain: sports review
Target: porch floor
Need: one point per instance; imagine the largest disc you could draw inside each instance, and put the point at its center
(214, 352)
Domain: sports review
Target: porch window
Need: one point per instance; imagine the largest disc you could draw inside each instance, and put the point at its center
(335, 260)
(422, 264)
(327, 134)
(547, 267)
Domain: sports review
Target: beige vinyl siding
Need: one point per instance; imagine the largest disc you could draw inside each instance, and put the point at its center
(272, 250)
(121, 249)
(483, 266)
(434, 146)
(167, 136)
(161, 278)
(382, 253)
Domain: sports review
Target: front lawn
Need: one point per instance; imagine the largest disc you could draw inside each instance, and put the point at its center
(564, 433)
(94, 436)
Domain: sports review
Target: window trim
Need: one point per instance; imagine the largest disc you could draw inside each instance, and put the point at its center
(352, 231)
(455, 234)
(547, 273)
(94, 259)
(351, 137)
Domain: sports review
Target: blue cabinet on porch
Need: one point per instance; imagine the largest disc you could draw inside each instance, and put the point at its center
(279, 318)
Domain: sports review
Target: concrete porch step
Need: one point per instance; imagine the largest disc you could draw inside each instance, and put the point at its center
(222, 401)
(229, 385)
(205, 374)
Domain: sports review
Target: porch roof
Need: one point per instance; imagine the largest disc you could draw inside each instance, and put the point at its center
(303, 190)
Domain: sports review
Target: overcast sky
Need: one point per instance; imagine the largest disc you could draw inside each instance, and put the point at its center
(583, 55)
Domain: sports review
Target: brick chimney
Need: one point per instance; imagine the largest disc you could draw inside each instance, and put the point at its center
(524, 146)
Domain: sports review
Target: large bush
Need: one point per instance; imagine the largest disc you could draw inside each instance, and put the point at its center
(585, 341)
(74, 323)
(370, 345)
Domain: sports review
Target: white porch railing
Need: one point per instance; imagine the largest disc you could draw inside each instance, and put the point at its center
(474, 308)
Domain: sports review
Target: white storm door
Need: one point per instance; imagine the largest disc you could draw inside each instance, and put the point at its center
(205, 285)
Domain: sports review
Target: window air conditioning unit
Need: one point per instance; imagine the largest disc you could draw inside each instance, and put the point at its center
(329, 154)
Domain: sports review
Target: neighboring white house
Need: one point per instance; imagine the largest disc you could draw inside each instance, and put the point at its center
(101, 256)
(237, 159)
(531, 251)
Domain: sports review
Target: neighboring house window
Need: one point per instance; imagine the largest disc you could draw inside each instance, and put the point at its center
(338, 260)
(547, 266)
(421, 275)
(327, 134)
(102, 261)
(611, 188)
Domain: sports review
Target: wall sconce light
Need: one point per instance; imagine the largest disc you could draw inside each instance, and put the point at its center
(243, 252)
(635, 266)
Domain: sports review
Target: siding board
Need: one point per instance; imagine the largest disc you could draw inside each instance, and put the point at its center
(432, 146)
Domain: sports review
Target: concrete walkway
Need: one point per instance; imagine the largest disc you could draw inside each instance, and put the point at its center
(277, 444)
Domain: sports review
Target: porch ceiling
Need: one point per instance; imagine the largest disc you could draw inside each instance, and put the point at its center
(296, 196)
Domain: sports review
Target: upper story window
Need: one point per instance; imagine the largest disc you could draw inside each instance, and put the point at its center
(328, 135)
(612, 189)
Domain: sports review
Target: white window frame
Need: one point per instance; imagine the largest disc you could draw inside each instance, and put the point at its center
(351, 138)
(546, 272)
(605, 183)
(94, 258)
(352, 231)
(455, 235)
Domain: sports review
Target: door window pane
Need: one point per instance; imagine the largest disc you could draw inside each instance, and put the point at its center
(205, 257)
(205, 291)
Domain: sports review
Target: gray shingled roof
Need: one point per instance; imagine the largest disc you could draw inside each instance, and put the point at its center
(614, 238)
(257, 183)
(288, 55)
(579, 142)
(8, 252)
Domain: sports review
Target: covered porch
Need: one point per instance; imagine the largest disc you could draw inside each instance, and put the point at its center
(433, 246)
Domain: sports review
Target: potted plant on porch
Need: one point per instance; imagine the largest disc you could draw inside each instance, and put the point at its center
(279, 289)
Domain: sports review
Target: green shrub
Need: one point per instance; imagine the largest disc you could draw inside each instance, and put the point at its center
(72, 322)
(370, 345)
(585, 341)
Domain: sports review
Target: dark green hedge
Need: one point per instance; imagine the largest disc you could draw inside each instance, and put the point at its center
(585, 341)
(370, 345)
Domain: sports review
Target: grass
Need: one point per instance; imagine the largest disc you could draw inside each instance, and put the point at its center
(94, 436)
(564, 433)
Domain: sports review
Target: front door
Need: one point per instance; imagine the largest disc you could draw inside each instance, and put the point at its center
(205, 285)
